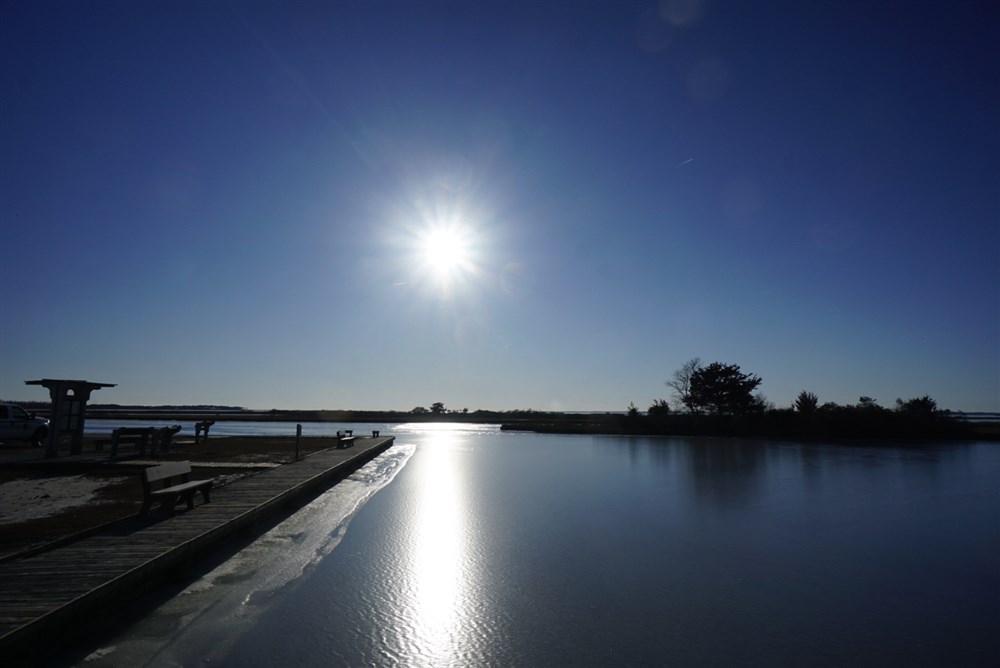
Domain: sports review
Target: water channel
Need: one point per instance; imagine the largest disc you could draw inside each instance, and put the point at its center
(463, 545)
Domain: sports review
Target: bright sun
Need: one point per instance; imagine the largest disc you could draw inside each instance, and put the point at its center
(446, 252)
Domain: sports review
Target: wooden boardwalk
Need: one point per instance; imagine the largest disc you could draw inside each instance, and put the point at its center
(47, 594)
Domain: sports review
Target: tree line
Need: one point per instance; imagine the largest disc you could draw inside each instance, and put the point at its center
(721, 398)
(724, 389)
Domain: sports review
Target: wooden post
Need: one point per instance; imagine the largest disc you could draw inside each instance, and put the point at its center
(298, 435)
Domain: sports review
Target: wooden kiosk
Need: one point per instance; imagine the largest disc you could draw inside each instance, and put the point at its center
(69, 407)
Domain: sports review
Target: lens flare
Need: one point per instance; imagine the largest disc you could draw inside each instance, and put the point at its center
(447, 253)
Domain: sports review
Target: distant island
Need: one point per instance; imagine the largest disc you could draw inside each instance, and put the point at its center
(918, 421)
(715, 399)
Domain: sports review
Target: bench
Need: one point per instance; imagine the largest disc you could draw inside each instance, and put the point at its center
(159, 439)
(137, 436)
(170, 484)
(345, 438)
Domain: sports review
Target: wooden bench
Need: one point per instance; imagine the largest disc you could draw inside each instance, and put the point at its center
(137, 436)
(345, 438)
(159, 439)
(170, 484)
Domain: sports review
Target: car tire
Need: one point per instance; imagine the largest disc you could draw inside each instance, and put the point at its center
(39, 436)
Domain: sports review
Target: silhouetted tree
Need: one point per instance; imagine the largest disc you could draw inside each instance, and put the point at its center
(867, 403)
(680, 383)
(632, 410)
(723, 389)
(437, 408)
(659, 407)
(806, 403)
(761, 404)
(419, 410)
(918, 407)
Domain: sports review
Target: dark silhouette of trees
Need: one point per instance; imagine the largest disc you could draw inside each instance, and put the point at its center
(632, 410)
(806, 403)
(438, 408)
(723, 389)
(659, 407)
(917, 407)
(419, 410)
(868, 404)
(761, 404)
(680, 383)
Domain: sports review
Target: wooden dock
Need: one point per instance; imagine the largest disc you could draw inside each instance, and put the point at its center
(46, 595)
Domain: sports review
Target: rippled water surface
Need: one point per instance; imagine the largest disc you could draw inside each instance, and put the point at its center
(468, 546)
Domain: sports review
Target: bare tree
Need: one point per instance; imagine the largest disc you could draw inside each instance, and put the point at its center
(680, 383)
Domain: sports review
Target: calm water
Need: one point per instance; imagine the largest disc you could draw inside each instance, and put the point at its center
(473, 547)
(240, 428)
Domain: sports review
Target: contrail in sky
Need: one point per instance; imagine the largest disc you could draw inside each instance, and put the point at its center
(686, 162)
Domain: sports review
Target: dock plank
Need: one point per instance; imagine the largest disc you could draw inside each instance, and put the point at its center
(49, 591)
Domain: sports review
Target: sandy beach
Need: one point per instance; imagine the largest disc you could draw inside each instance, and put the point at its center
(36, 498)
(46, 500)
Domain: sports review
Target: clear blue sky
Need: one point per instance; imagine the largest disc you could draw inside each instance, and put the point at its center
(228, 203)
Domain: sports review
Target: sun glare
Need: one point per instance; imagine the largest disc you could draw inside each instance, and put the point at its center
(446, 253)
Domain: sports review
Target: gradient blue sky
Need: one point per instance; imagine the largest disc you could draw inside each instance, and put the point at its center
(222, 202)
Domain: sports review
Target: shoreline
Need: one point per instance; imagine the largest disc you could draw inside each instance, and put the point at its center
(846, 426)
(838, 429)
(150, 548)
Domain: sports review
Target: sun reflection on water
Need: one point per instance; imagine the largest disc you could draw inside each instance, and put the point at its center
(437, 575)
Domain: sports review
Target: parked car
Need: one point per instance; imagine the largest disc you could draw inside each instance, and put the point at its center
(17, 424)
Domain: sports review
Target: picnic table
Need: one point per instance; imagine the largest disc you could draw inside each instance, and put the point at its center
(158, 439)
